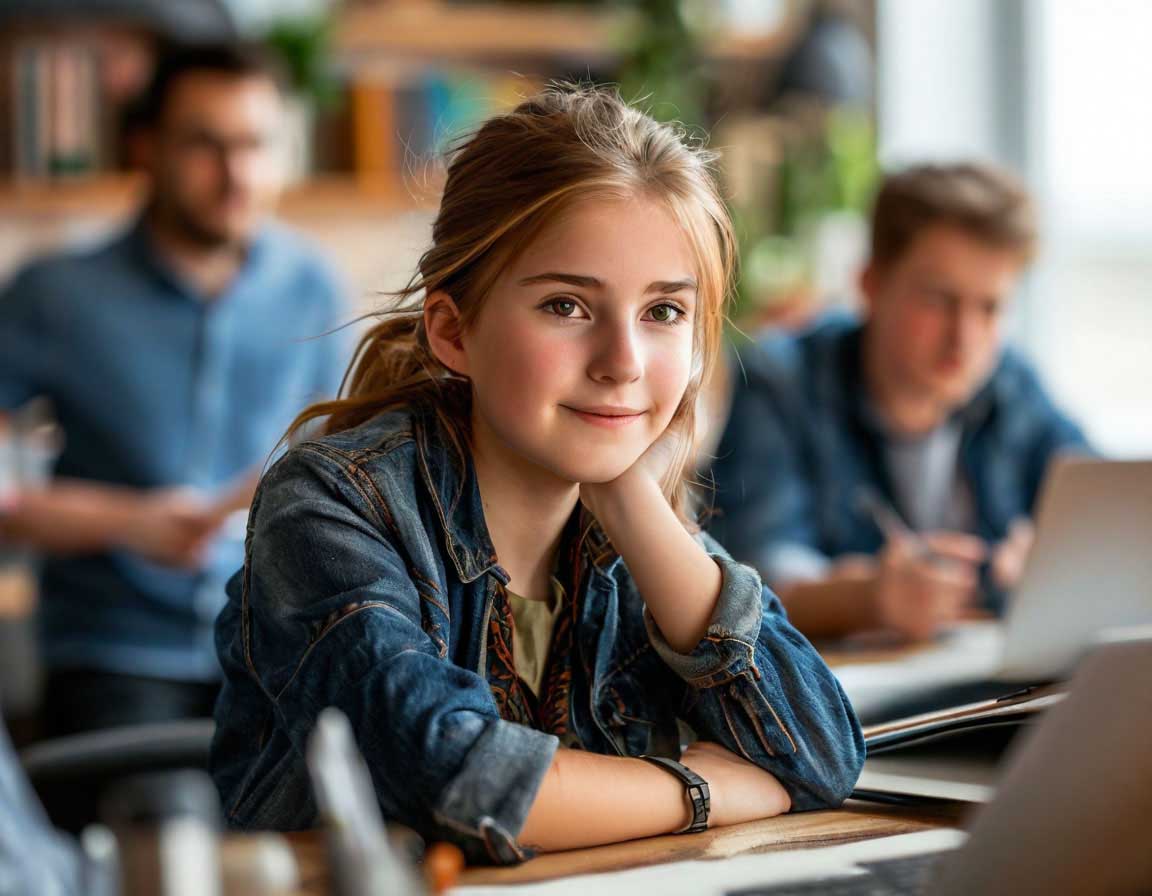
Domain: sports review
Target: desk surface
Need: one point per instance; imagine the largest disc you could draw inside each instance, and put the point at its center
(856, 821)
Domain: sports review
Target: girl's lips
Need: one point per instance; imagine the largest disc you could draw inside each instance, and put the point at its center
(609, 419)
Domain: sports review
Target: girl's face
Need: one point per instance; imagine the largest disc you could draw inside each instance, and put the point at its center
(583, 349)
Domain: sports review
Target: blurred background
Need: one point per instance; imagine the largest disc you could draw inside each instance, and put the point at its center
(806, 100)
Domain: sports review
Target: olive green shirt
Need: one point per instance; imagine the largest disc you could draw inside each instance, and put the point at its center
(532, 634)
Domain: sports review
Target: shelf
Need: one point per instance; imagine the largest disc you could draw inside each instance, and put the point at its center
(402, 32)
(479, 31)
(118, 194)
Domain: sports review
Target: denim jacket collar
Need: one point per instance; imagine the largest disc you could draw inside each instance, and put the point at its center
(451, 481)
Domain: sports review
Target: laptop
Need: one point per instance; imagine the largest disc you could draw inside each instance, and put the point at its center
(1073, 811)
(1089, 571)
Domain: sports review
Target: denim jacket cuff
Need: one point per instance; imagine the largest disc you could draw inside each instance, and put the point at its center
(728, 647)
(490, 796)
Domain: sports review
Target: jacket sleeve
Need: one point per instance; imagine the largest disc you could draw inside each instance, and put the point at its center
(765, 510)
(331, 616)
(757, 687)
(1052, 433)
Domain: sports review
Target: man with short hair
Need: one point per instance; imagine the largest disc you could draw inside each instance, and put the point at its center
(881, 472)
(175, 356)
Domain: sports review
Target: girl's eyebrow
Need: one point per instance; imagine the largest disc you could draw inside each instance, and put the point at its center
(660, 286)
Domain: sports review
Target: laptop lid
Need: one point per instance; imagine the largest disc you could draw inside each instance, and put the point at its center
(1073, 812)
(1090, 568)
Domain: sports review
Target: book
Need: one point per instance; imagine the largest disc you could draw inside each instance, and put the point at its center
(56, 122)
(1012, 710)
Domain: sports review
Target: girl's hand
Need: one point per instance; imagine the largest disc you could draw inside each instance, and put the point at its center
(677, 579)
(740, 791)
(648, 470)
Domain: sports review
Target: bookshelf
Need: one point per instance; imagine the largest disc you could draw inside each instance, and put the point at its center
(412, 72)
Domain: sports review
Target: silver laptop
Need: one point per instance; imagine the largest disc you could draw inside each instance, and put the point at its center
(1072, 814)
(1090, 568)
(1073, 811)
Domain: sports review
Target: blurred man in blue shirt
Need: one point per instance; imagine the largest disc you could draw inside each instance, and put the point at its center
(175, 356)
(881, 472)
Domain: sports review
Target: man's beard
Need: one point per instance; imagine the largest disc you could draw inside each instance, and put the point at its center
(190, 228)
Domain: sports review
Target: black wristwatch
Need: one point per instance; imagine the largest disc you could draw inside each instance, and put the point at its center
(695, 788)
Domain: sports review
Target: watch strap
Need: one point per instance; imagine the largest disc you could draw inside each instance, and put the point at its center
(695, 788)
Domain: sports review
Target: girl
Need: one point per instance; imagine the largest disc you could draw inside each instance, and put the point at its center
(487, 560)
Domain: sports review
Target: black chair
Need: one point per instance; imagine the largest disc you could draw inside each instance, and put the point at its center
(71, 774)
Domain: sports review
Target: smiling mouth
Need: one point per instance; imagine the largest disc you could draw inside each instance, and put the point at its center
(606, 416)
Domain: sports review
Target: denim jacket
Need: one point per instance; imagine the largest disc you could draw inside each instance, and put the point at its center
(368, 583)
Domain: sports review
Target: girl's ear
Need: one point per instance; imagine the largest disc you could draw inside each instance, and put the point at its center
(445, 332)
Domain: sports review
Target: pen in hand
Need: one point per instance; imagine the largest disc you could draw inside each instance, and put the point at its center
(889, 521)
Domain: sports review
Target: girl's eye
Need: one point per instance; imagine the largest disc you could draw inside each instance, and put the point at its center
(666, 314)
(563, 307)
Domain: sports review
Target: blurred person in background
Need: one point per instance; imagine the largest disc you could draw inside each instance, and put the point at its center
(175, 356)
(34, 856)
(880, 472)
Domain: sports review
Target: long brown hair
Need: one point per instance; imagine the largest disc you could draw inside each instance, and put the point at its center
(519, 170)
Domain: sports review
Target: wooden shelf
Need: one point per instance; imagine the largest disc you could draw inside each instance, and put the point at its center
(82, 196)
(117, 194)
(399, 35)
(479, 31)
(400, 32)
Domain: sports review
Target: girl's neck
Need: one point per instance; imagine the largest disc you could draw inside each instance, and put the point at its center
(526, 509)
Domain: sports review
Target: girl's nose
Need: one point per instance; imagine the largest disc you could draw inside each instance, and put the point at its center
(617, 358)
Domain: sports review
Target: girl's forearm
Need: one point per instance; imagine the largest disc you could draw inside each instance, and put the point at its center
(587, 799)
(679, 582)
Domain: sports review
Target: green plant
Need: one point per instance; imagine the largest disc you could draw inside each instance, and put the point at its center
(303, 46)
(826, 164)
(662, 64)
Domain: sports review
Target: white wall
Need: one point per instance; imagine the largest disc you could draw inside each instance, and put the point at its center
(1092, 299)
(935, 74)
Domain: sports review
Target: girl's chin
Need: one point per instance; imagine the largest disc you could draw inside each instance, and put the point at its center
(591, 473)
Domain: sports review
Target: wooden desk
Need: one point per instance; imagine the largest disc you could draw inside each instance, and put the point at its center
(856, 821)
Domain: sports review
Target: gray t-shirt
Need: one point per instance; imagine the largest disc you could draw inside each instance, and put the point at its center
(929, 484)
(930, 488)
